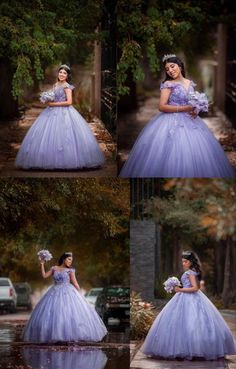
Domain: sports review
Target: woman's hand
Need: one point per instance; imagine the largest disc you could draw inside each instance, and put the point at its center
(178, 289)
(42, 262)
(50, 104)
(193, 114)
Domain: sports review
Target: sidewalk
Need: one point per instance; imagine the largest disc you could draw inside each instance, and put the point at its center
(13, 132)
(140, 361)
(131, 124)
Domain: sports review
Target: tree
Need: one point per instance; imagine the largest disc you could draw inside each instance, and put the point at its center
(38, 33)
(88, 216)
(154, 28)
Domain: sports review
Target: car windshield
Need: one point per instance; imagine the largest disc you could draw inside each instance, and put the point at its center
(4, 282)
(118, 291)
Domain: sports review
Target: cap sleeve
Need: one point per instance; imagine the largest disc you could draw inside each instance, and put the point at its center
(53, 269)
(71, 270)
(67, 85)
(166, 84)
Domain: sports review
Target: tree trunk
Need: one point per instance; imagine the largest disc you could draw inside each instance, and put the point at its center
(226, 294)
(219, 249)
(8, 106)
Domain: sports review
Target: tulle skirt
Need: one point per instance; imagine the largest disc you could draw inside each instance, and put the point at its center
(63, 314)
(189, 326)
(60, 138)
(175, 145)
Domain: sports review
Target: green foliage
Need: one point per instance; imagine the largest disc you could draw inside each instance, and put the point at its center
(156, 27)
(40, 32)
(200, 207)
(141, 317)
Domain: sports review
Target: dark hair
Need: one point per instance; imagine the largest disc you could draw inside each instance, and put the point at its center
(63, 257)
(176, 60)
(195, 262)
(67, 69)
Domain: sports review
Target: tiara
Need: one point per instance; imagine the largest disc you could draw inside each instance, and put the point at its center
(168, 56)
(68, 253)
(64, 66)
(186, 253)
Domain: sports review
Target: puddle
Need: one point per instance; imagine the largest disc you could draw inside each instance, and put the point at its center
(70, 356)
(17, 357)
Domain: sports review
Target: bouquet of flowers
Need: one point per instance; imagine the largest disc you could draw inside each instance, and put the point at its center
(171, 283)
(47, 96)
(198, 101)
(44, 255)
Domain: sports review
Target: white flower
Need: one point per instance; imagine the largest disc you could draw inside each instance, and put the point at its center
(44, 255)
(47, 96)
(171, 283)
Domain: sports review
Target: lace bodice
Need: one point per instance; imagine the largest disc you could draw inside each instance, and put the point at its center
(59, 91)
(185, 278)
(179, 94)
(61, 276)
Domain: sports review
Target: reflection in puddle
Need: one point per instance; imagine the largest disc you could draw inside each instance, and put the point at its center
(72, 358)
(64, 357)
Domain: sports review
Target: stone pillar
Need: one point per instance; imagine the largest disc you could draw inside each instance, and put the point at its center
(143, 264)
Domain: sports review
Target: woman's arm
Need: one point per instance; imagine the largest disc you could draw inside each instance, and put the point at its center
(45, 274)
(74, 281)
(194, 283)
(68, 101)
(166, 108)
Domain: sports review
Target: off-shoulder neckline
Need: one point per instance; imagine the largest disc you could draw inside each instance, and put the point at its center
(65, 84)
(61, 270)
(191, 83)
(191, 271)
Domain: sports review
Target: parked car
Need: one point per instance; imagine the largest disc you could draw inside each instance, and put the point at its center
(8, 295)
(23, 291)
(93, 294)
(114, 302)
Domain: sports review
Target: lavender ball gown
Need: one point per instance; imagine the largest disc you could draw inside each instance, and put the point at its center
(60, 138)
(189, 326)
(63, 314)
(176, 145)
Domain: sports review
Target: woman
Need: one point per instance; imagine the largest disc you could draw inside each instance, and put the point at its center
(189, 326)
(63, 314)
(176, 143)
(60, 138)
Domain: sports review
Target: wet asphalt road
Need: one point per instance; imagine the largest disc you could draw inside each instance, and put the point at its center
(111, 353)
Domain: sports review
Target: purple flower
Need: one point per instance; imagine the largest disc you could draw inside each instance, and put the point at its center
(170, 284)
(44, 255)
(47, 96)
(198, 101)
